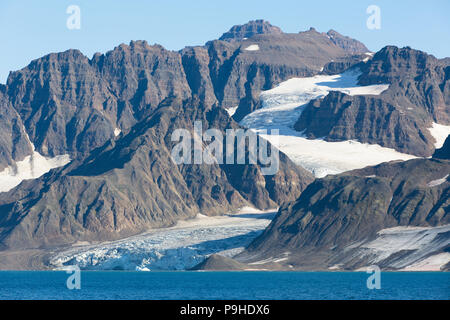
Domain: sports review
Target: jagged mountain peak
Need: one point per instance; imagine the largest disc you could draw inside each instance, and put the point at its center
(348, 44)
(251, 28)
(397, 52)
(417, 58)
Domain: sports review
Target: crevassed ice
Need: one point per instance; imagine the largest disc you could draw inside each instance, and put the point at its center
(281, 108)
(177, 248)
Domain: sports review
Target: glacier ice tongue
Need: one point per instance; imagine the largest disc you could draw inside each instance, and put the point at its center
(177, 248)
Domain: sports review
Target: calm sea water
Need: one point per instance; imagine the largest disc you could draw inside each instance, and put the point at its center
(224, 285)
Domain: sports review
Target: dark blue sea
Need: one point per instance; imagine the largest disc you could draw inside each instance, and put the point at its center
(223, 285)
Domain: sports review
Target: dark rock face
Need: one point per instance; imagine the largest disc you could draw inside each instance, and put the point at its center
(367, 119)
(196, 62)
(14, 144)
(398, 118)
(444, 152)
(248, 30)
(336, 211)
(348, 44)
(131, 184)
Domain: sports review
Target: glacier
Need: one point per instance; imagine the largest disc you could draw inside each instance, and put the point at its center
(281, 108)
(177, 248)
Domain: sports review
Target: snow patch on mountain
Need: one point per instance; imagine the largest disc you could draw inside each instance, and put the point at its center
(252, 47)
(321, 157)
(407, 248)
(437, 182)
(31, 167)
(232, 110)
(439, 132)
(281, 108)
(177, 248)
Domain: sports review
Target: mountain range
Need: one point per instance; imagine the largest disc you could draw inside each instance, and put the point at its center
(85, 146)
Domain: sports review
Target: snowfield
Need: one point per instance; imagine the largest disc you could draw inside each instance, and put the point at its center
(439, 133)
(407, 248)
(281, 108)
(32, 167)
(178, 248)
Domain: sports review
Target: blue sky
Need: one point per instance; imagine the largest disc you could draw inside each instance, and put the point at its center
(31, 29)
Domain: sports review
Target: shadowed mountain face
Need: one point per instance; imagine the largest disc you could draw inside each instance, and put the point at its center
(338, 211)
(398, 118)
